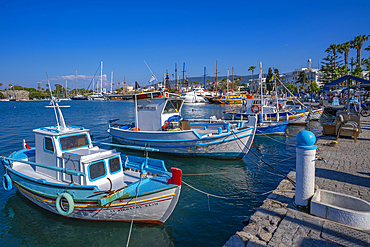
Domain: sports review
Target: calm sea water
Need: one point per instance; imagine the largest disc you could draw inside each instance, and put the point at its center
(198, 220)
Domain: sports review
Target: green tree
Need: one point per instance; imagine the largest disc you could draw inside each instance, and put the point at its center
(252, 68)
(366, 64)
(1, 84)
(292, 88)
(277, 76)
(329, 63)
(356, 43)
(302, 79)
(1, 95)
(269, 81)
(341, 71)
(344, 48)
(314, 87)
(357, 72)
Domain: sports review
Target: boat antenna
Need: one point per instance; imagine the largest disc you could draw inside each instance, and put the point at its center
(55, 105)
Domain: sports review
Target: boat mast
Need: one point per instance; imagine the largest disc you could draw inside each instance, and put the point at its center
(260, 79)
(216, 77)
(183, 76)
(76, 84)
(204, 78)
(227, 82)
(111, 82)
(101, 77)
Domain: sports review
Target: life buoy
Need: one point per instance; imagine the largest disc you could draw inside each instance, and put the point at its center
(59, 204)
(165, 125)
(7, 182)
(174, 118)
(280, 106)
(256, 108)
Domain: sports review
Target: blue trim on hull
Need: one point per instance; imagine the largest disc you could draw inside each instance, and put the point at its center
(273, 129)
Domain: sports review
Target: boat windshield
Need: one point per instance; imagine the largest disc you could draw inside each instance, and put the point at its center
(75, 141)
(172, 106)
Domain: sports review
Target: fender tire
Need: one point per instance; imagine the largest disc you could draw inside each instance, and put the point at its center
(71, 204)
(7, 182)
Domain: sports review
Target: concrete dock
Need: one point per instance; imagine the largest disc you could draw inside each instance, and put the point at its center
(278, 223)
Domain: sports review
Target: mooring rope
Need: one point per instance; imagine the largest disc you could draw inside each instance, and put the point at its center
(249, 150)
(133, 215)
(277, 140)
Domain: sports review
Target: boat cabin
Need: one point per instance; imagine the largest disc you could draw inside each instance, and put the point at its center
(71, 148)
(153, 113)
(266, 108)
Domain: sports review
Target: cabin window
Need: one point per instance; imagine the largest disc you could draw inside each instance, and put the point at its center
(289, 103)
(48, 144)
(75, 141)
(172, 106)
(114, 165)
(97, 170)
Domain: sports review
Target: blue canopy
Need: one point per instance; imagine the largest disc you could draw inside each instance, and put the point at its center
(342, 79)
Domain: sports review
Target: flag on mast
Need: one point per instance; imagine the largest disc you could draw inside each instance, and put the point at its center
(152, 79)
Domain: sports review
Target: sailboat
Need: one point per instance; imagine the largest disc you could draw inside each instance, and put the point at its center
(100, 95)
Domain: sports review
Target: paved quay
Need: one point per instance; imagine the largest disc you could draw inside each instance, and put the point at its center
(278, 223)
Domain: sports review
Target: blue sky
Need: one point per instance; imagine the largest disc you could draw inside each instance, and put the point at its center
(60, 37)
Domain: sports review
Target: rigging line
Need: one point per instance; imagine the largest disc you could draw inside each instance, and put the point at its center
(133, 215)
(208, 194)
(94, 76)
(213, 173)
(278, 141)
(249, 150)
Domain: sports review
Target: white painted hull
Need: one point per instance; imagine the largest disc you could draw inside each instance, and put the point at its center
(233, 144)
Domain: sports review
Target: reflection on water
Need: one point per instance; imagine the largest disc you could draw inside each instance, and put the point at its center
(197, 219)
(24, 223)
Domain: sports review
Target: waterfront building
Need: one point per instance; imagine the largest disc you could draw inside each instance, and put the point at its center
(311, 73)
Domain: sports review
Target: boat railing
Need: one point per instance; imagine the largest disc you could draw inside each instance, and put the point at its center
(54, 168)
(56, 130)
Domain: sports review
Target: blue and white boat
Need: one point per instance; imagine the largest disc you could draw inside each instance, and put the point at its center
(158, 124)
(67, 175)
(273, 113)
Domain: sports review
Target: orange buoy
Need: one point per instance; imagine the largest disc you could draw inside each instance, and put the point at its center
(192, 109)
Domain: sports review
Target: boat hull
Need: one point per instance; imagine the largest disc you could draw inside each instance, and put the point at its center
(272, 129)
(233, 144)
(316, 114)
(152, 208)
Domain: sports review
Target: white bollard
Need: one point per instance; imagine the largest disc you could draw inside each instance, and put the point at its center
(305, 167)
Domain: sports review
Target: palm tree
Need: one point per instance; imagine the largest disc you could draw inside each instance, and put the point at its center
(251, 68)
(356, 43)
(345, 48)
(334, 48)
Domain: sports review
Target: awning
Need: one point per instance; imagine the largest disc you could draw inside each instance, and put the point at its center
(327, 86)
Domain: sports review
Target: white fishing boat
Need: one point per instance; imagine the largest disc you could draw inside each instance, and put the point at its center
(67, 175)
(158, 124)
(192, 97)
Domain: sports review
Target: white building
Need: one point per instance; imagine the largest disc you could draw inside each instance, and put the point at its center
(312, 75)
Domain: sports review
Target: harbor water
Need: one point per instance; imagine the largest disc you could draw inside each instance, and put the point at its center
(199, 219)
